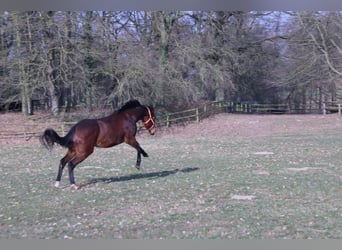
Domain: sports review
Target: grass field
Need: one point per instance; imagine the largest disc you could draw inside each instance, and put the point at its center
(200, 181)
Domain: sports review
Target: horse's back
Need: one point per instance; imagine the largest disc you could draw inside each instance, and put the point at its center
(104, 132)
(87, 124)
(111, 130)
(86, 130)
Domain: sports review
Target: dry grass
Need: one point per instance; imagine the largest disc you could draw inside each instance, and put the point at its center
(231, 176)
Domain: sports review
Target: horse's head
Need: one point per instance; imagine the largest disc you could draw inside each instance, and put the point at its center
(149, 120)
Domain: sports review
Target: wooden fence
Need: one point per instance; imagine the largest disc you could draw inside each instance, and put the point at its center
(212, 108)
(195, 114)
(190, 115)
(208, 109)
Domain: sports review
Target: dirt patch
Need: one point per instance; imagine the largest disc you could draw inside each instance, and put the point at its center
(16, 129)
(232, 125)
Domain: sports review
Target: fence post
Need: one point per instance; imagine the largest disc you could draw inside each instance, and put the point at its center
(167, 120)
(63, 129)
(324, 109)
(197, 115)
(339, 109)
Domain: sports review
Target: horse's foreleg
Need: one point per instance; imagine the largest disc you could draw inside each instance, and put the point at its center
(143, 152)
(137, 165)
(140, 152)
(133, 142)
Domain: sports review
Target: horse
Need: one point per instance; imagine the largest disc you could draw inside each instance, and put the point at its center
(104, 132)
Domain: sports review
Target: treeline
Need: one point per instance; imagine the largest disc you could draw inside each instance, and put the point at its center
(95, 59)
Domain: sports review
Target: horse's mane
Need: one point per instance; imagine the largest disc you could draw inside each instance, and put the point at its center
(130, 104)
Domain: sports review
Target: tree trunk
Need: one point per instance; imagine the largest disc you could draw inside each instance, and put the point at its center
(89, 60)
(22, 74)
(52, 92)
(49, 61)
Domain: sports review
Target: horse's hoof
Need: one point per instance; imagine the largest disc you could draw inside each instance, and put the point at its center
(137, 167)
(56, 184)
(74, 187)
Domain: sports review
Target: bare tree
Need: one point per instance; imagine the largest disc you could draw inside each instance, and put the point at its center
(173, 59)
(313, 59)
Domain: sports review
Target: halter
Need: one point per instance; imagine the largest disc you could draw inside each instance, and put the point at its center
(150, 119)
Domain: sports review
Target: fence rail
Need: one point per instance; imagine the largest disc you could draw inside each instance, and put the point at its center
(205, 110)
(212, 108)
(190, 115)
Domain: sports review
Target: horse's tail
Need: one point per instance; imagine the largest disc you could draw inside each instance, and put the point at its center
(50, 136)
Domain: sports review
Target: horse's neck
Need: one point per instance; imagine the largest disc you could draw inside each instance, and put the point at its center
(137, 113)
(134, 114)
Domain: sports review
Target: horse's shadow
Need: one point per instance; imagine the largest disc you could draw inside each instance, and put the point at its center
(152, 175)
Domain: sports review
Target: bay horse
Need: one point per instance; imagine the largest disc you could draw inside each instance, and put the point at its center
(104, 132)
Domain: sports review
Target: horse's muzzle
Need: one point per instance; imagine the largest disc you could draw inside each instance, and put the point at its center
(152, 131)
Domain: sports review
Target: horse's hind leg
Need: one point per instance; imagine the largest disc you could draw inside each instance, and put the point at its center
(68, 157)
(71, 168)
(72, 164)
